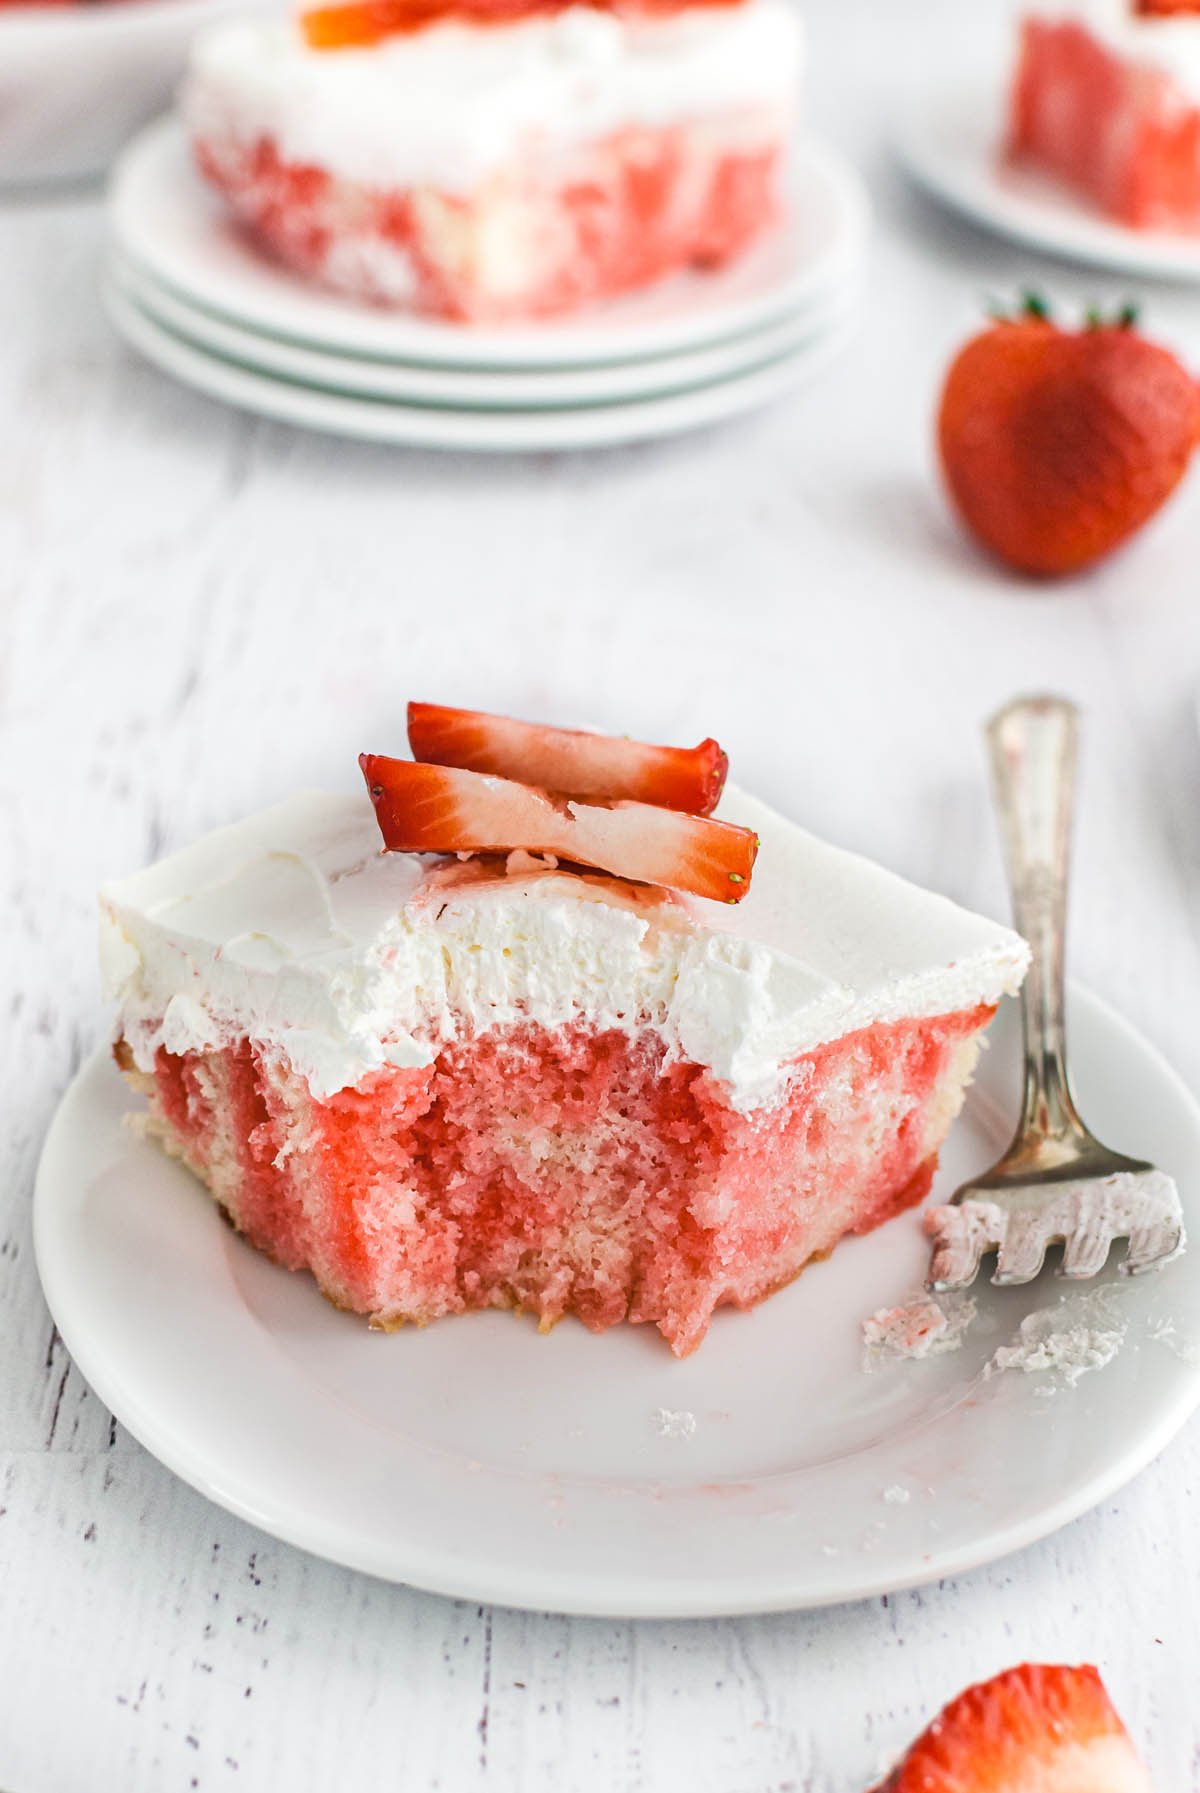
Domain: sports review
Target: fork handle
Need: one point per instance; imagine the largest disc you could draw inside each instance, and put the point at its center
(1033, 744)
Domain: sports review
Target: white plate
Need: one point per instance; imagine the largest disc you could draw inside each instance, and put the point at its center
(77, 81)
(476, 388)
(481, 1460)
(950, 143)
(175, 229)
(483, 430)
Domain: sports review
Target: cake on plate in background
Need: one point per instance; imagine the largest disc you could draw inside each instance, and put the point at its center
(1106, 97)
(569, 1043)
(500, 159)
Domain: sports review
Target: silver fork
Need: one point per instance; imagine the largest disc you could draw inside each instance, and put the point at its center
(1056, 1182)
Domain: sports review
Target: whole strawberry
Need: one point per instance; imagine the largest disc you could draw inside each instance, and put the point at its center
(1058, 444)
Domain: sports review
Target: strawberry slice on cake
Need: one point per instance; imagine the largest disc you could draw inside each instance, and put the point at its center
(463, 1042)
(590, 765)
(491, 160)
(439, 809)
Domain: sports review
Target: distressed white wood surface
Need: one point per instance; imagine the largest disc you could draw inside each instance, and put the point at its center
(198, 612)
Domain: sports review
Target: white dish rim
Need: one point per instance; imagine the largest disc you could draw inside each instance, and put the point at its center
(73, 25)
(702, 1597)
(490, 432)
(547, 388)
(1020, 204)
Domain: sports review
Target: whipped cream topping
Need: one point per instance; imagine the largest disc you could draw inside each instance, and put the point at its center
(294, 928)
(1170, 43)
(448, 106)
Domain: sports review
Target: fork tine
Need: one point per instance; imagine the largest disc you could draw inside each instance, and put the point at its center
(1153, 1245)
(959, 1243)
(1086, 1250)
(1023, 1251)
(955, 1261)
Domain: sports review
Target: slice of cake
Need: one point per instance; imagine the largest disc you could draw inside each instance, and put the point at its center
(1106, 97)
(484, 161)
(493, 1080)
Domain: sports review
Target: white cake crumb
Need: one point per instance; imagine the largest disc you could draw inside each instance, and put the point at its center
(896, 1496)
(520, 864)
(1165, 1332)
(925, 1326)
(1079, 1333)
(672, 1423)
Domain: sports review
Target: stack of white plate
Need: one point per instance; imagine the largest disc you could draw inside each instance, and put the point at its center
(189, 290)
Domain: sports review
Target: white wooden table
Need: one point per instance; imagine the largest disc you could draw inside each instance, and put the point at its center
(199, 612)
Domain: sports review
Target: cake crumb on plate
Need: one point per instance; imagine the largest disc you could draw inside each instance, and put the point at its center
(673, 1423)
(1081, 1332)
(925, 1326)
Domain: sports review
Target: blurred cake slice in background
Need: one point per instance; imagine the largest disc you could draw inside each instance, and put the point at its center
(1106, 97)
(487, 160)
(445, 1083)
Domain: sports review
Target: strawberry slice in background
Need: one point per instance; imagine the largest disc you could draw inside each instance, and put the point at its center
(442, 809)
(568, 759)
(1032, 1729)
(353, 24)
(364, 22)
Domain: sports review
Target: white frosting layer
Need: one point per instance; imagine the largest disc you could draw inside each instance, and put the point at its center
(294, 928)
(448, 106)
(1171, 44)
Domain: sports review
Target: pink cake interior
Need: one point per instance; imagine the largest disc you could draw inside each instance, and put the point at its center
(552, 234)
(1121, 133)
(565, 1172)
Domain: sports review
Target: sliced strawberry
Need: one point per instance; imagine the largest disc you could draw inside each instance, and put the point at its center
(442, 809)
(1033, 1729)
(569, 759)
(358, 23)
(364, 22)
